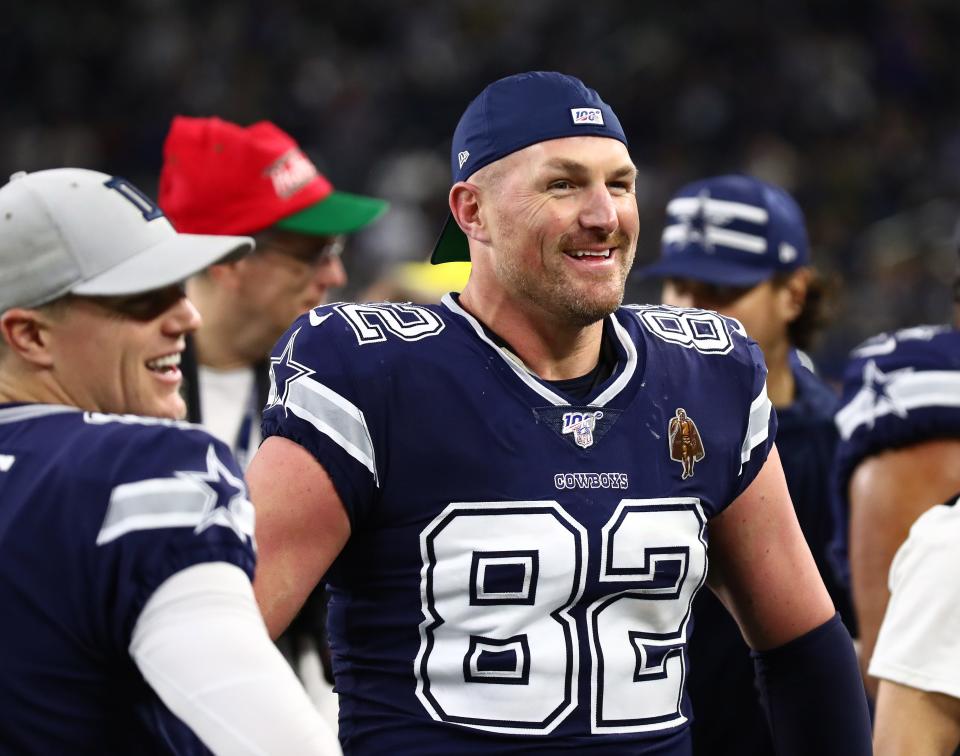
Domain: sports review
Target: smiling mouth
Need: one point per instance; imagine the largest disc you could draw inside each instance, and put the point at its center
(169, 363)
(589, 253)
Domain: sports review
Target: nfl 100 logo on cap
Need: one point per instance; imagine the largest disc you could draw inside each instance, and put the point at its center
(587, 115)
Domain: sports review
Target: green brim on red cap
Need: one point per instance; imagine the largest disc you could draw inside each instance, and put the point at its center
(452, 245)
(337, 213)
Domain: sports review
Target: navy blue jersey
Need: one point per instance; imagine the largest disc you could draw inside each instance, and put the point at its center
(96, 511)
(899, 389)
(522, 564)
(720, 662)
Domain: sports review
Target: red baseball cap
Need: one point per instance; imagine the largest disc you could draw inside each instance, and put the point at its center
(221, 178)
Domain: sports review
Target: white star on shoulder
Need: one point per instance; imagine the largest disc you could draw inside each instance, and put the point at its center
(284, 370)
(229, 509)
(878, 383)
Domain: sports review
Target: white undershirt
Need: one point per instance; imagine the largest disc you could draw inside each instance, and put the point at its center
(225, 397)
(202, 645)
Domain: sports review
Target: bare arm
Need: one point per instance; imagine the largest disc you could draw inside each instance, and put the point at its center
(805, 664)
(912, 722)
(888, 492)
(301, 528)
(761, 567)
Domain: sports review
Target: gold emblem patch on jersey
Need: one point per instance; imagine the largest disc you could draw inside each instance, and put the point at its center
(686, 446)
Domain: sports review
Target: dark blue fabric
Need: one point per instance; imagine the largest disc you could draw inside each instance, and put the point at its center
(814, 696)
(719, 658)
(899, 389)
(71, 600)
(462, 465)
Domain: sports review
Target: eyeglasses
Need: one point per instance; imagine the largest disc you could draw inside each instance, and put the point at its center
(309, 250)
(142, 307)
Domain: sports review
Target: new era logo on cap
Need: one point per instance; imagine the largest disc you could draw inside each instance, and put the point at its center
(587, 116)
(462, 157)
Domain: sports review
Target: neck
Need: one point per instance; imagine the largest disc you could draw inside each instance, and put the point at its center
(219, 342)
(550, 349)
(34, 386)
(781, 385)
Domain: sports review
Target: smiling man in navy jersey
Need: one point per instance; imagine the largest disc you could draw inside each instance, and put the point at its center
(126, 537)
(488, 484)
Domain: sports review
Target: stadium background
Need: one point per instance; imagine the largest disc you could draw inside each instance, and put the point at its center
(852, 106)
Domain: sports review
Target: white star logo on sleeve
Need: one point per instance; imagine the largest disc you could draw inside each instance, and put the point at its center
(225, 497)
(878, 383)
(284, 370)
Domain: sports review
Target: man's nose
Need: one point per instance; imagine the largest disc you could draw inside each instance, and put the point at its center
(599, 211)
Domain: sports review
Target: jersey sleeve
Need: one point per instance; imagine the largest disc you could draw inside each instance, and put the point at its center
(759, 426)
(325, 397)
(919, 641)
(899, 389)
(176, 499)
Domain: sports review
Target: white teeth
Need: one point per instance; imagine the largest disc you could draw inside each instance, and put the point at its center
(161, 363)
(589, 253)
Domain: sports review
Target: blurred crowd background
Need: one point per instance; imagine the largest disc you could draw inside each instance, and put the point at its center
(852, 106)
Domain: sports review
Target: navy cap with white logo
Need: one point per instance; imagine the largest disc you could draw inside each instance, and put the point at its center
(732, 230)
(514, 113)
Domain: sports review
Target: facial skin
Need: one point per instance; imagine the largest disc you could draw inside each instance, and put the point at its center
(539, 207)
(288, 274)
(120, 354)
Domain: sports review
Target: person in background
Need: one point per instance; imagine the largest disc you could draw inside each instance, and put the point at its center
(222, 178)
(898, 456)
(487, 487)
(739, 246)
(126, 537)
(916, 658)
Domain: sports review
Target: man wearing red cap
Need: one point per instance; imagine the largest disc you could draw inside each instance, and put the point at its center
(221, 178)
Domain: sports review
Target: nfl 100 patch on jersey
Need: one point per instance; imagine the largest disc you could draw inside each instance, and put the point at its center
(522, 561)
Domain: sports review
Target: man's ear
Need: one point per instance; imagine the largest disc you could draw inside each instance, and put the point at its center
(226, 274)
(465, 200)
(27, 334)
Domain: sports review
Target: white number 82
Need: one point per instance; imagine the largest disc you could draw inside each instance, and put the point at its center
(500, 646)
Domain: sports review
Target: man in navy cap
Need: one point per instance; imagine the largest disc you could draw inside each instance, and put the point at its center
(488, 488)
(739, 246)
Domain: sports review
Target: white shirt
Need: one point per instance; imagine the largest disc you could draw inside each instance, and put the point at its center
(919, 641)
(227, 397)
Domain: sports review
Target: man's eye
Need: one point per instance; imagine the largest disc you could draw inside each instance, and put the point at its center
(562, 184)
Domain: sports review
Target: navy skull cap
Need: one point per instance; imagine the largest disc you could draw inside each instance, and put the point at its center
(513, 113)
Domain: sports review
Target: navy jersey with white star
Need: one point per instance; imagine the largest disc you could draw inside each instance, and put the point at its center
(96, 512)
(522, 563)
(899, 389)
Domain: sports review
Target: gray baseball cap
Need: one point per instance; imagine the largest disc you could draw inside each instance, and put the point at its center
(72, 230)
